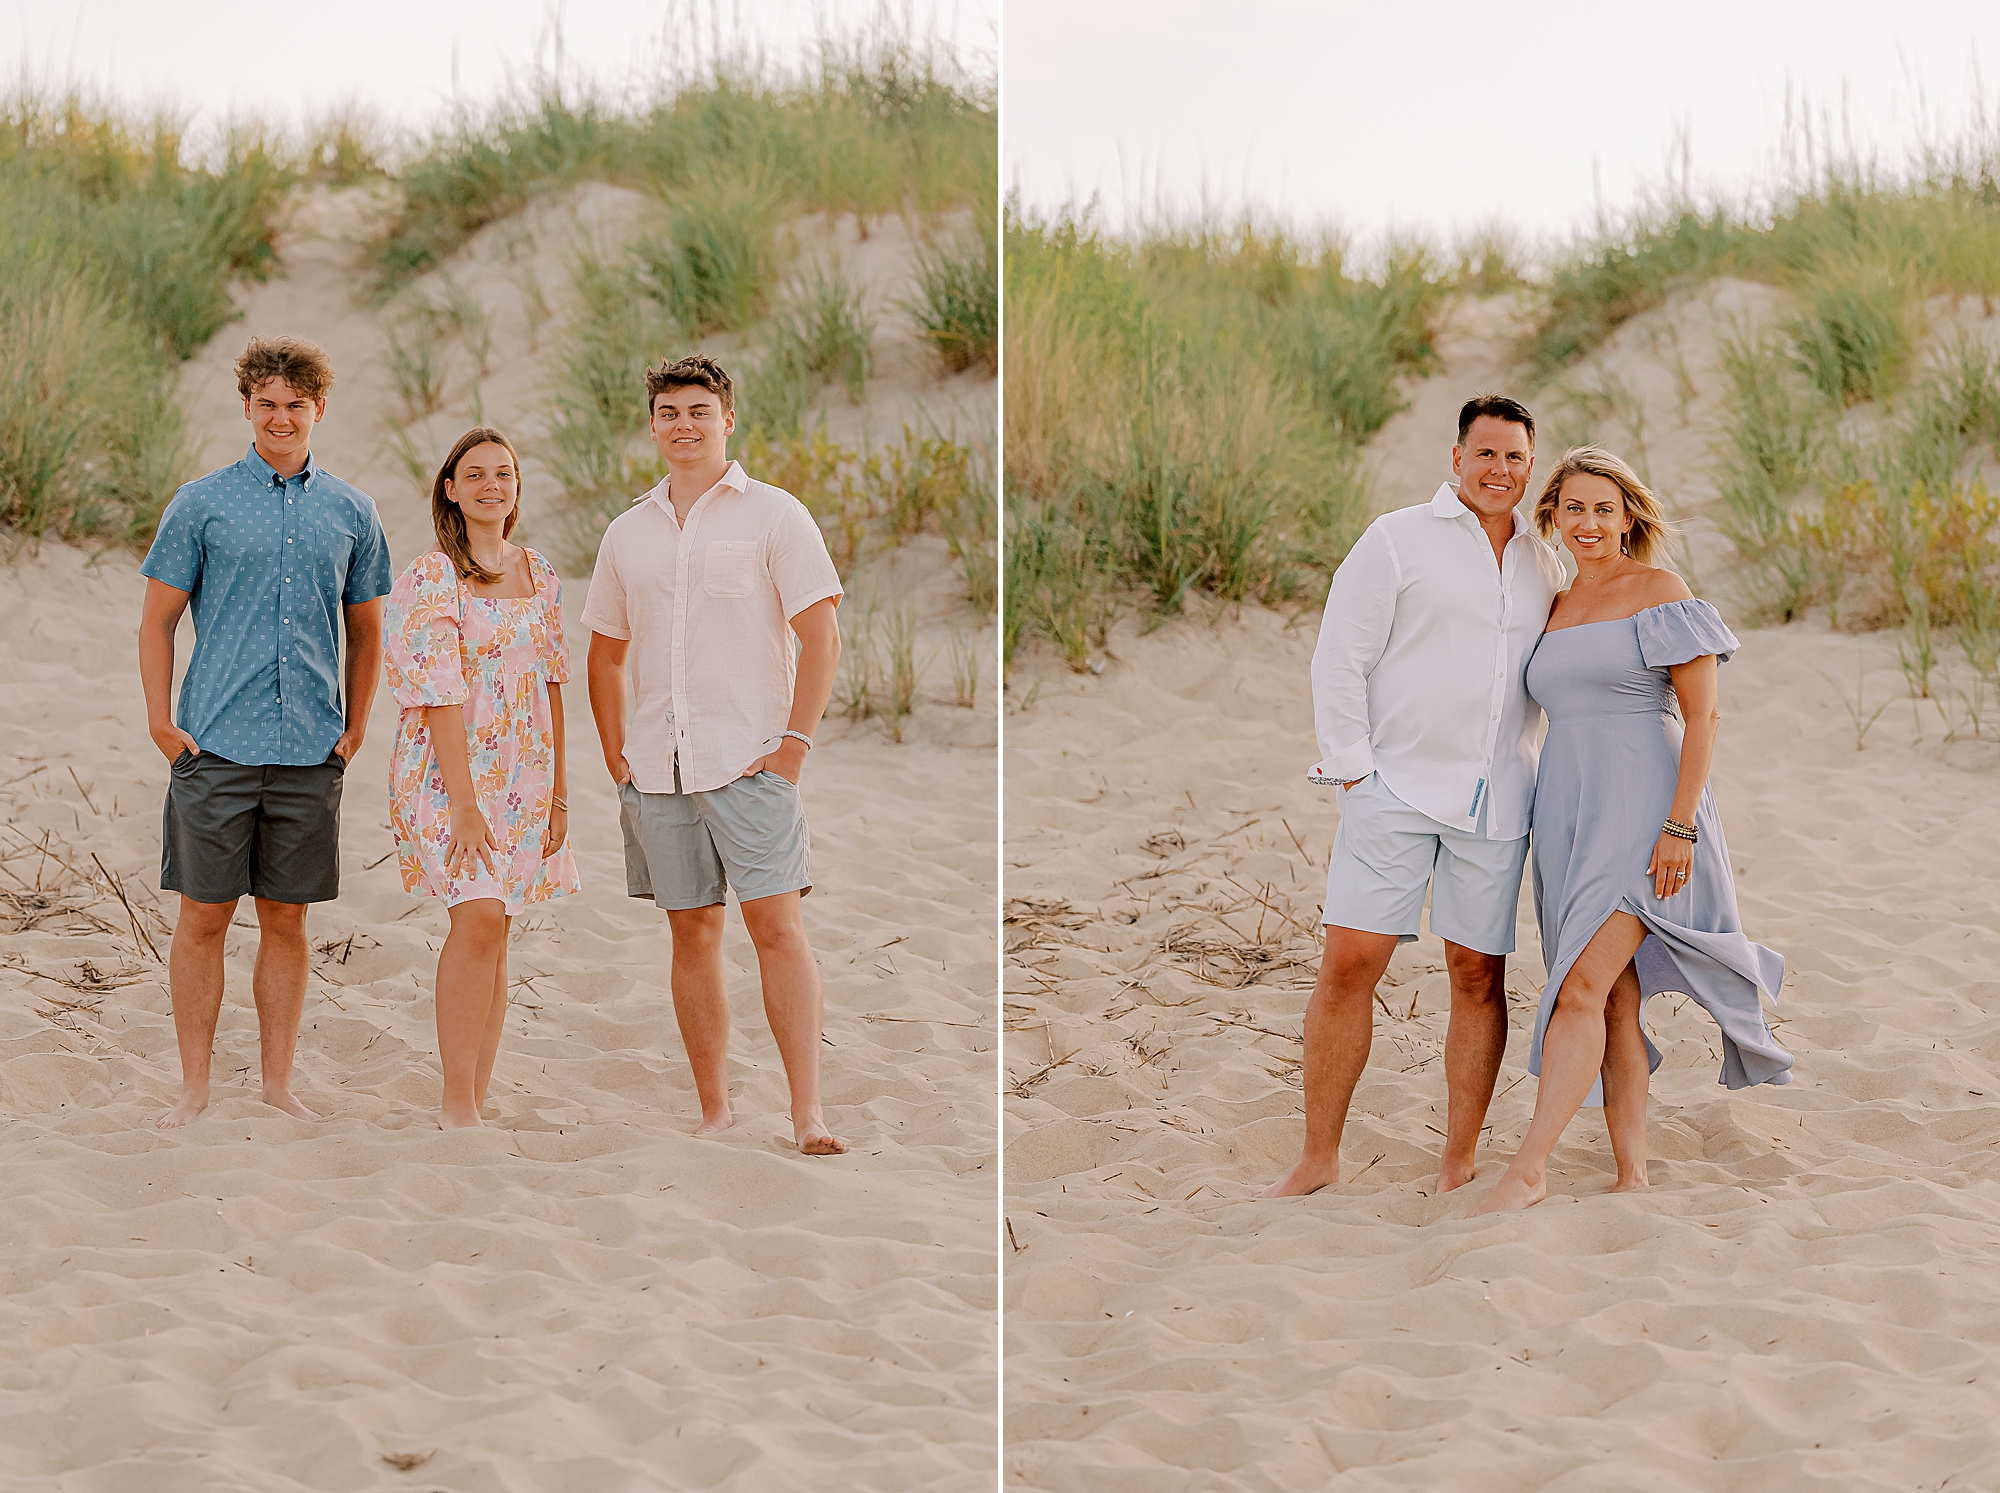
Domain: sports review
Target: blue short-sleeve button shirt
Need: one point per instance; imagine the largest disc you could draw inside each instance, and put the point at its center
(268, 562)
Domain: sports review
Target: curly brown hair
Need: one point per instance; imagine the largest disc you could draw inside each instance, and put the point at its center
(698, 369)
(304, 365)
(448, 519)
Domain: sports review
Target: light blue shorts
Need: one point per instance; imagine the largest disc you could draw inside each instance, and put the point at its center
(687, 849)
(1386, 853)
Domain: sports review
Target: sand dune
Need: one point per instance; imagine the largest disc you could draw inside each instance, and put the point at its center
(579, 1297)
(1806, 1297)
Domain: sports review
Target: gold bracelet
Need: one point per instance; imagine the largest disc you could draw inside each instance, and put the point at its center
(558, 803)
(1681, 831)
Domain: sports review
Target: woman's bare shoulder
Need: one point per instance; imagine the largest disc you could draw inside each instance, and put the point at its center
(1662, 585)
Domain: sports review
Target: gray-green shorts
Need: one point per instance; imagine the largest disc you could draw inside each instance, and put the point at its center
(688, 849)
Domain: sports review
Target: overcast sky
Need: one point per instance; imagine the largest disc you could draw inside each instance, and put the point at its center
(1447, 114)
(408, 59)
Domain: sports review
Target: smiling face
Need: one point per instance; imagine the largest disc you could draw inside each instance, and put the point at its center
(691, 427)
(1591, 518)
(1492, 466)
(487, 487)
(282, 419)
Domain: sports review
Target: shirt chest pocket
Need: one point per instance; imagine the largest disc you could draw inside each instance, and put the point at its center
(730, 568)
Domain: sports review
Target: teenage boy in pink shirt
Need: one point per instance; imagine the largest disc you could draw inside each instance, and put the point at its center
(704, 582)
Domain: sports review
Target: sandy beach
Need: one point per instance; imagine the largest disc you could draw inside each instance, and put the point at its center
(1806, 1296)
(581, 1296)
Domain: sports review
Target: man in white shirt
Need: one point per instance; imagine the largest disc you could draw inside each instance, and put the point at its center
(1423, 717)
(705, 581)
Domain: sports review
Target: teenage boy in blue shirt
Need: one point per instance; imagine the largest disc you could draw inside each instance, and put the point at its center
(277, 557)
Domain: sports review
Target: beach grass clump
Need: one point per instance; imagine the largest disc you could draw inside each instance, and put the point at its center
(713, 265)
(827, 327)
(1186, 411)
(116, 257)
(874, 121)
(957, 305)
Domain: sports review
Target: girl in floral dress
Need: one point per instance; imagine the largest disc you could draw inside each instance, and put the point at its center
(474, 650)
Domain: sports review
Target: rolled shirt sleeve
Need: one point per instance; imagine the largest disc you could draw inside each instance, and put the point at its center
(174, 558)
(604, 610)
(1353, 631)
(801, 568)
(423, 650)
(368, 576)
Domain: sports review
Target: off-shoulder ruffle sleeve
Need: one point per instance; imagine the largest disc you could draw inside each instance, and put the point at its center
(553, 656)
(423, 650)
(1677, 631)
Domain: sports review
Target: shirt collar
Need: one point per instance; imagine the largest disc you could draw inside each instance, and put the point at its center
(1446, 503)
(267, 474)
(733, 477)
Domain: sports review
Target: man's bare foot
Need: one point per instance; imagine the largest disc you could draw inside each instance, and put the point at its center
(1307, 1176)
(192, 1102)
(1630, 1184)
(284, 1099)
(715, 1124)
(1453, 1175)
(1510, 1195)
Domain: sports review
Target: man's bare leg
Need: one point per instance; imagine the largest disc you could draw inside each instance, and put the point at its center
(278, 984)
(194, 976)
(1627, 1076)
(476, 943)
(1572, 1057)
(496, 1025)
(1340, 1028)
(701, 1009)
(1475, 1040)
(796, 1010)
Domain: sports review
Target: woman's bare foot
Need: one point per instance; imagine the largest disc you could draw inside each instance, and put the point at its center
(1630, 1184)
(1308, 1176)
(285, 1100)
(1512, 1194)
(459, 1117)
(716, 1123)
(814, 1139)
(192, 1102)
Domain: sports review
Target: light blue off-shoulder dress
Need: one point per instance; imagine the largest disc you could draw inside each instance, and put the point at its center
(1608, 772)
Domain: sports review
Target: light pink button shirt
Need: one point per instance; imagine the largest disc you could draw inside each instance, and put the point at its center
(708, 608)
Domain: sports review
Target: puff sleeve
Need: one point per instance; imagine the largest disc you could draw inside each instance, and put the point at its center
(1678, 631)
(423, 649)
(552, 654)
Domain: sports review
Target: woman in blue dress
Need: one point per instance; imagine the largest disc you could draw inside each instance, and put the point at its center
(1631, 872)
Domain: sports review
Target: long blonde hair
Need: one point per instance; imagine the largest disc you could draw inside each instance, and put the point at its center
(448, 519)
(1648, 539)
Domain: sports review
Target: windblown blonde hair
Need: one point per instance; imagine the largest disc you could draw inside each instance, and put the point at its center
(1647, 540)
(448, 519)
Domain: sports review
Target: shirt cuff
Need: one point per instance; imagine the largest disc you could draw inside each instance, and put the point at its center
(1349, 763)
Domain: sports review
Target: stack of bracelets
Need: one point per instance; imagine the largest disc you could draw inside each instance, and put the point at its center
(1681, 831)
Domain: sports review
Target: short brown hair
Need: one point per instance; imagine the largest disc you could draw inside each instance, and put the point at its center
(697, 369)
(1500, 407)
(1646, 540)
(448, 519)
(304, 365)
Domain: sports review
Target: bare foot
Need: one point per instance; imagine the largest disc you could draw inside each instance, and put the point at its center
(1307, 1176)
(1453, 1175)
(1630, 1184)
(715, 1124)
(1510, 1195)
(192, 1103)
(817, 1140)
(285, 1100)
(460, 1119)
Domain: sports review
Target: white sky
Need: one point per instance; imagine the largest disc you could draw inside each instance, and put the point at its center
(1444, 115)
(408, 58)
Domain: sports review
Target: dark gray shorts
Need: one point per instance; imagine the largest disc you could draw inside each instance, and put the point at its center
(687, 849)
(231, 830)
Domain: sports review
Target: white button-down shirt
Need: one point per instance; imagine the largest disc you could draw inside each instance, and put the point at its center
(1420, 672)
(708, 608)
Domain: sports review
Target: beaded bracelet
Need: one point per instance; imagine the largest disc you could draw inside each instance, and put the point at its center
(1681, 831)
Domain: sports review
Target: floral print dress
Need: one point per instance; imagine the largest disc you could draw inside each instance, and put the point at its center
(494, 656)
